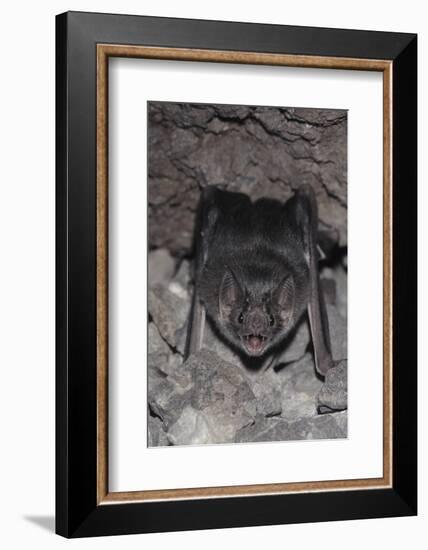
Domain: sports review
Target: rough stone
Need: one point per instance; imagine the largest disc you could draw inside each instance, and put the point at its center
(158, 350)
(328, 286)
(169, 313)
(168, 395)
(156, 437)
(333, 395)
(161, 267)
(267, 390)
(191, 428)
(180, 283)
(299, 389)
(328, 426)
(261, 151)
(219, 403)
(338, 333)
(183, 276)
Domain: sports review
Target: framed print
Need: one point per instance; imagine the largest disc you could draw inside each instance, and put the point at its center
(236, 274)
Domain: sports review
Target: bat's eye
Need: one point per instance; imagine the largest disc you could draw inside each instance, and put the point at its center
(271, 320)
(240, 319)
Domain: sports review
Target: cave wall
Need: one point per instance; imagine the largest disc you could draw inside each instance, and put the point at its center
(260, 151)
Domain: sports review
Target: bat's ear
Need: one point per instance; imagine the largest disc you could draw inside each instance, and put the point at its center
(230, 293)
(284, 296)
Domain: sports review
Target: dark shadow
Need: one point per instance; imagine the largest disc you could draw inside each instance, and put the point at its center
(45, 522)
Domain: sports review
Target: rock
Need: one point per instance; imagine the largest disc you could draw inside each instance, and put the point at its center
(184, 275)
(156, 437)
(333, 395)
(299, 390)
(216, 380)
(342, 422)
(338, 333)
(260, 151)
(220, 402)
(329, 290)
(180, 283)
(191, 428)
(167, 397)
(328, 426)
(161, 267)
(169, 313)
(160, 356)
(158, 350)
(268, 392)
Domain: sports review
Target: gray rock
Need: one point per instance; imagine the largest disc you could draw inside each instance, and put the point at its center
(338, 333)
(216, 380)
(220, 402)
(299, 390)
(161, 267)
(333, 395)
(180, 283)
(328, 286)
(167, 397)
(160, 356)
(169, 313)
(159, 352)
(191, 428)
(268, 392)
(156, 437)
(183, 276)
(328, 426)
(261, 151)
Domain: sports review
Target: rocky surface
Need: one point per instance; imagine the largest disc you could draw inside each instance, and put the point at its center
(216, 396)
(328, 426)
(333, 395)
(261, 151)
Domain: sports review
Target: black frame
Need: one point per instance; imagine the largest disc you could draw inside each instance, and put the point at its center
(77, 513)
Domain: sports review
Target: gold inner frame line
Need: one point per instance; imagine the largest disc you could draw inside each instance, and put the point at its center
(104, 51)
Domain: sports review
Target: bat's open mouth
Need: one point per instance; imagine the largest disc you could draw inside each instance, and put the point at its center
(255, 343)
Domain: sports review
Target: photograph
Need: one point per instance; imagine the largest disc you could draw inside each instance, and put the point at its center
(247, 273)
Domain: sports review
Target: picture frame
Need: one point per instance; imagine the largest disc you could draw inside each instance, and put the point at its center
(84, 44)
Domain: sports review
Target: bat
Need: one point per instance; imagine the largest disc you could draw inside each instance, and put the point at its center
(256, 273)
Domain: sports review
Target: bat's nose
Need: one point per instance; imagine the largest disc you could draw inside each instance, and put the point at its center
(256, 322)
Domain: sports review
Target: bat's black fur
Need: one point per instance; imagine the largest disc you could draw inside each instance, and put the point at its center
(256, 271)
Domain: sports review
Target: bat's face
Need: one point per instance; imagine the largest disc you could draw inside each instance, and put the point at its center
(256, 317)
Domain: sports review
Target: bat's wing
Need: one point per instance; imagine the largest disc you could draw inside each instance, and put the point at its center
(208, 213)
(306, 221)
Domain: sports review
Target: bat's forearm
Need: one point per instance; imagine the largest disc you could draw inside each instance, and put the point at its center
(197, 327)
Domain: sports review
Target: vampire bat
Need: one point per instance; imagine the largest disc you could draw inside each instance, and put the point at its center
(256, 273)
